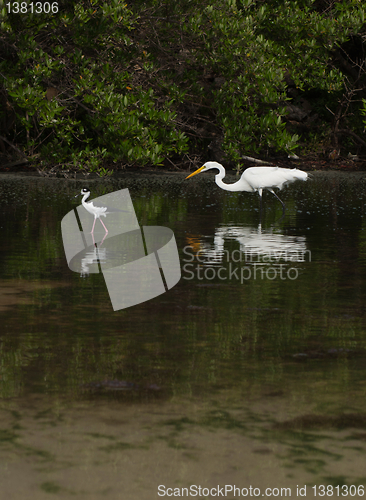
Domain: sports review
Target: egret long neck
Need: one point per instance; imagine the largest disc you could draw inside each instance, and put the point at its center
(240, 185)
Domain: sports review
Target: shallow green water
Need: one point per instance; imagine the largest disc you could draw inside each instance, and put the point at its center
(250, 371)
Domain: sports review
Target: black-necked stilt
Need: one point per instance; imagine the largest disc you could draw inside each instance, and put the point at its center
(94, 210)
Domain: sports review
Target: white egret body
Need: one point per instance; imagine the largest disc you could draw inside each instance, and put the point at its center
(256, 178)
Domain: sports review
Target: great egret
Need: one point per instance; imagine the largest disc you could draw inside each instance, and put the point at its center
(256, 178)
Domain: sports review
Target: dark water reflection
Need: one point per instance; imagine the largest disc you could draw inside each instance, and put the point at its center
(266, 325)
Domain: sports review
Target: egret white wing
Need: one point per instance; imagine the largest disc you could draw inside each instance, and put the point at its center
(271, 177)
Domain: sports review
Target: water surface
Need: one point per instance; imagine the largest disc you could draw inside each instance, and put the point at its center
(249, 372)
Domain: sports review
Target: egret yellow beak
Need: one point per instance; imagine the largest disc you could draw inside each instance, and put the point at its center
(196, 172)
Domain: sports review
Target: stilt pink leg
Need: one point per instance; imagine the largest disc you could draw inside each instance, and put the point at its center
(92, 231)
(106, 230)
(104, 237)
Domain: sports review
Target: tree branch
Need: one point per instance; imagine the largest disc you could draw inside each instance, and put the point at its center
(14, 147)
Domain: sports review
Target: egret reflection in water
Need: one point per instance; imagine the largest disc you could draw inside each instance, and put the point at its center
(254, 244)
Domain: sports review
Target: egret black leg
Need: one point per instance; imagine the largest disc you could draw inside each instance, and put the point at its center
(260, 191)
(260, 208)
(279, 199)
